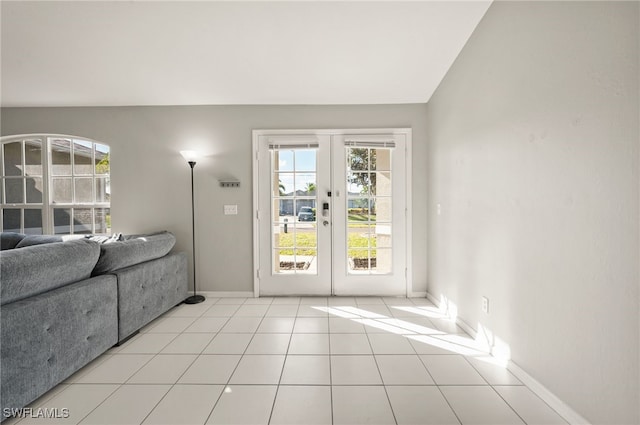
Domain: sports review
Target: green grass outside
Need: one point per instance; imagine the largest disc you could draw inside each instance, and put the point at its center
(308, 240)
(361, 217)
(356, 221)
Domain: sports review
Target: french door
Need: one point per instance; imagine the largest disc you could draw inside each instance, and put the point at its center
(330, 213)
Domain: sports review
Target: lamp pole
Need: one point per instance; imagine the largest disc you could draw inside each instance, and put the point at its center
(194, 299)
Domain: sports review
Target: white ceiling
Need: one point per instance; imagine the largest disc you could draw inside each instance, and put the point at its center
(215, 52)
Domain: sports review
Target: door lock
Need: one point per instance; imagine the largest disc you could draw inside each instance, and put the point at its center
(325, 209)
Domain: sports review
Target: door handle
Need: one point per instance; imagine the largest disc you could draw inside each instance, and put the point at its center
(325, 222)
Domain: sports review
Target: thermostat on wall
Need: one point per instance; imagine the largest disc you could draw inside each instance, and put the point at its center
(229, 183)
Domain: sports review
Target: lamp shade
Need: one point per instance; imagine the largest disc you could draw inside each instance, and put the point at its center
(189, 156)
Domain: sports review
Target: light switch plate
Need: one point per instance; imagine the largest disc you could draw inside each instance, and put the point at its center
(230, 210)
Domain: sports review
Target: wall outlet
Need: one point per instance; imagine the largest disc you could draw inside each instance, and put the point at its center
(485, 305)
(230, 210)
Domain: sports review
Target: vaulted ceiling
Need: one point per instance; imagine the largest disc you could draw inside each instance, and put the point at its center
(229, 52)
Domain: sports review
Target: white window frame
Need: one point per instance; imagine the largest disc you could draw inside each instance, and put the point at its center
(47, 206)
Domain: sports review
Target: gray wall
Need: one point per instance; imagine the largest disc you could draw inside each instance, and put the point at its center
(150, 180)
(533, 158)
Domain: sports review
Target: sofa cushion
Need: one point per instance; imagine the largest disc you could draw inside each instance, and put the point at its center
(134, 249)
(48, 337)
(30, 240)
(9, 240)
(36, 269)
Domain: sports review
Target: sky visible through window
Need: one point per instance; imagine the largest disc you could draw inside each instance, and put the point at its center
(303, 162)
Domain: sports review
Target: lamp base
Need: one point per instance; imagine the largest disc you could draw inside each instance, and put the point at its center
(194, 299)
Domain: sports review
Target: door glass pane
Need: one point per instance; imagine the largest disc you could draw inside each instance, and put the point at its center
(283, 235)
(82, 157)
(34, 190)
(381, 207)
(12, 159)
(84, 189)
(294, 199)
(82, 220)
(358, 159)
(369, 210)
(284, 210)
(33, 221)
(62, 192)
(358, 240)
(381, 183)
(60, 157)
(306, 212)
(14, 190)
(283, 160)
(283, 261)
(294, 261)
(11, 218)
(283, 185)
(358, 183)
(33, 157)
(102, 218)
(381, 159)
(358, 260)
(305, 160)
(383, 262)
(62, 221)
(305, 184)
(383, 235)
(358, 212)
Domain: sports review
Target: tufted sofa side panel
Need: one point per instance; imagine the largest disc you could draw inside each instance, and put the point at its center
(147, 290)
(47, 337)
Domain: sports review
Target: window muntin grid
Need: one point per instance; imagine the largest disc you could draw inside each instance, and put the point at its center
(369, 248)
(294, 236)
(49, 180)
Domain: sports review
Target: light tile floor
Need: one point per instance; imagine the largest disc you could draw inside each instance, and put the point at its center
(362, 360)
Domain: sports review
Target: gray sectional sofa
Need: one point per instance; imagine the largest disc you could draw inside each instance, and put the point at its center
(65, 302)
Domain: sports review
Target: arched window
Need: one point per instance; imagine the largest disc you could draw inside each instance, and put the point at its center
(54, 184)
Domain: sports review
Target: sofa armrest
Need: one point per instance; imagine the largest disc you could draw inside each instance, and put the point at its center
(133, 250)
(147, 290)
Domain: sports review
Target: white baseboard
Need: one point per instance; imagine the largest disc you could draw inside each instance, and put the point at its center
(227, 294)
(567, 413)
(547, 396)
(250, 294)
(433, 299)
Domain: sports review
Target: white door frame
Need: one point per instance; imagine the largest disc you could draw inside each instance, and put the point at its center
(331, 132)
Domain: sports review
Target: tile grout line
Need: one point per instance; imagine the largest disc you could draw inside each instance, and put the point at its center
(373, 354)
(127, 382)
(510, 407)
(286, 355)
(120, 385)
(171, 386)
(225, 386)
(330, 371)
(437, 385)
(532, 392)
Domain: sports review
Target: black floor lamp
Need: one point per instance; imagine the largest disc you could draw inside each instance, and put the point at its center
(191, 156)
